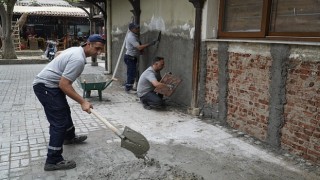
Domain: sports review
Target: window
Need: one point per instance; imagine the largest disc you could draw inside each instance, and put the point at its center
(242, 16)
(270, 19)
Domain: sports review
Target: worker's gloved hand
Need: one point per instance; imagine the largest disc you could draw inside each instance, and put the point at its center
(170, 86)
(153, 42)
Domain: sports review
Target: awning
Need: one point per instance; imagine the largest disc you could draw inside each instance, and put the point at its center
(50, 11)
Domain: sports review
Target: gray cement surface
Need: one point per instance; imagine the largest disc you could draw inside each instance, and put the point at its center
(181, 146)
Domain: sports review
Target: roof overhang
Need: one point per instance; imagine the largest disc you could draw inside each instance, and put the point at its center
(50, 11)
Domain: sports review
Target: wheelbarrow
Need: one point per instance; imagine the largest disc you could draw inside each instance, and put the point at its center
(89, 82)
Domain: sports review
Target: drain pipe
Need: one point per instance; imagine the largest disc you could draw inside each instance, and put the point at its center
(108, 65)
(198, 4)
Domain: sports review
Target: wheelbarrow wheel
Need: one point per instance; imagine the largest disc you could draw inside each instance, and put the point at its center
(88, 94)
(100, 95)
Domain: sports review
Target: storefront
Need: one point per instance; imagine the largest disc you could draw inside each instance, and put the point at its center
(62, 24)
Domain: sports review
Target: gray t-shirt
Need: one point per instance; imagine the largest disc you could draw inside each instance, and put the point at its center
(69, 64)
(132, 41)
(144, 84)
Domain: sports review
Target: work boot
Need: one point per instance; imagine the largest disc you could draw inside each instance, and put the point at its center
(76, 140)
(147, 107)
(62, 165)
(131, 91)
(158, 107)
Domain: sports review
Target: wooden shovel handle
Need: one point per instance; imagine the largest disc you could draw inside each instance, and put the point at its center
(114, 129)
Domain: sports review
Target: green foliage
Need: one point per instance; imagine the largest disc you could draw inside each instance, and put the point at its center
(4, 1)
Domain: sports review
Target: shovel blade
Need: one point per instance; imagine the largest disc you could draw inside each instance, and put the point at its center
(135, 142)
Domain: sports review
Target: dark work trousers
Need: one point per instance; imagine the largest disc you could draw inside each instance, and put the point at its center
(58, 114)
(153, 100)
(131, 63)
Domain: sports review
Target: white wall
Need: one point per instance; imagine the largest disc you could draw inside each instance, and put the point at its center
(210, 19)
(173, 17)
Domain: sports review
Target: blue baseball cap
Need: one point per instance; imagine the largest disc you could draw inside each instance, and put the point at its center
(96, 38)
(133, 25)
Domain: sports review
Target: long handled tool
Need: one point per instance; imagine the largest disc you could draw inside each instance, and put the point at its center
(130, 139)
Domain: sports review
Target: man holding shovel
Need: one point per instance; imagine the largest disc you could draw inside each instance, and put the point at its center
(134, 49)
(51, 87)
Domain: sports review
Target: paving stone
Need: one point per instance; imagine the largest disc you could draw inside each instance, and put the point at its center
(4, 165)
(4, 174)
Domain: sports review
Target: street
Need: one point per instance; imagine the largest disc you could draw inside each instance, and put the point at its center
(181, 146)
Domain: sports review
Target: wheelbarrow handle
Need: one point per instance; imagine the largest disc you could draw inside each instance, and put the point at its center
(108, 83)
(114, 129)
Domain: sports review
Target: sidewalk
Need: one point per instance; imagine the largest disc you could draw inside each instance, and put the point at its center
(181, 145)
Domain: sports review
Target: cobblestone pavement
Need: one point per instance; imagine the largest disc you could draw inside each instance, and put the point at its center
(24, 130)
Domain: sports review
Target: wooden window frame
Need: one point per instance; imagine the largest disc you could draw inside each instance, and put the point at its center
(265, 24)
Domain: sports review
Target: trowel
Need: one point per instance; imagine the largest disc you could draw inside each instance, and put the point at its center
(130, 139)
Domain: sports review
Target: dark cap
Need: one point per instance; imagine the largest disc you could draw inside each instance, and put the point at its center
(96, 38)
(133, 25)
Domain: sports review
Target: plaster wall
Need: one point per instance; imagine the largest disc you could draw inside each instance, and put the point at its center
(210, 18)
(173, 17)
(175, 20)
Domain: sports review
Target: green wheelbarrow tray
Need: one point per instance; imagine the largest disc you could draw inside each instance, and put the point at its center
(89, 82)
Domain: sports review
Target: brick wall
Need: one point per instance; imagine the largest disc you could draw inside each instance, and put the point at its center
(301, 131)
(248, 95)
(211, 79)
(249, 70)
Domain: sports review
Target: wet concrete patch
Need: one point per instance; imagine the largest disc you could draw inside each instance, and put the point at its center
(103, 158)
(140, 170)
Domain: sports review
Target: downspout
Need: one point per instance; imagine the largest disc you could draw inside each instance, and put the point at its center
(198, 4)
(108, 65)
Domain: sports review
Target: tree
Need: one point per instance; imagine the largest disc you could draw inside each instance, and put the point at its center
(6, 14)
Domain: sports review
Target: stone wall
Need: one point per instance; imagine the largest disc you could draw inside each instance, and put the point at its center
(269, 91)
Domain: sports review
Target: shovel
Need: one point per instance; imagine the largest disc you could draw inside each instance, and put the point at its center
(130, 139)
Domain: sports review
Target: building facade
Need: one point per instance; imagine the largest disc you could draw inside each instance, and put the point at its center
(259, 65)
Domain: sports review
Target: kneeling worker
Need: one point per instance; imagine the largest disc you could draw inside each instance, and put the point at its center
(148, 81)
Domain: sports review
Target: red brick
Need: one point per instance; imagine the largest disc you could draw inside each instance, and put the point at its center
(314, 153)
(305, 72)
(302, 136)
(314, 122)
(316, 135)
(291, 92)
(313, 103)
(306, 65)
(262, 101)
(312, 158)
(307, 132)
(304, 77)
(298, 149)
(306, 126)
